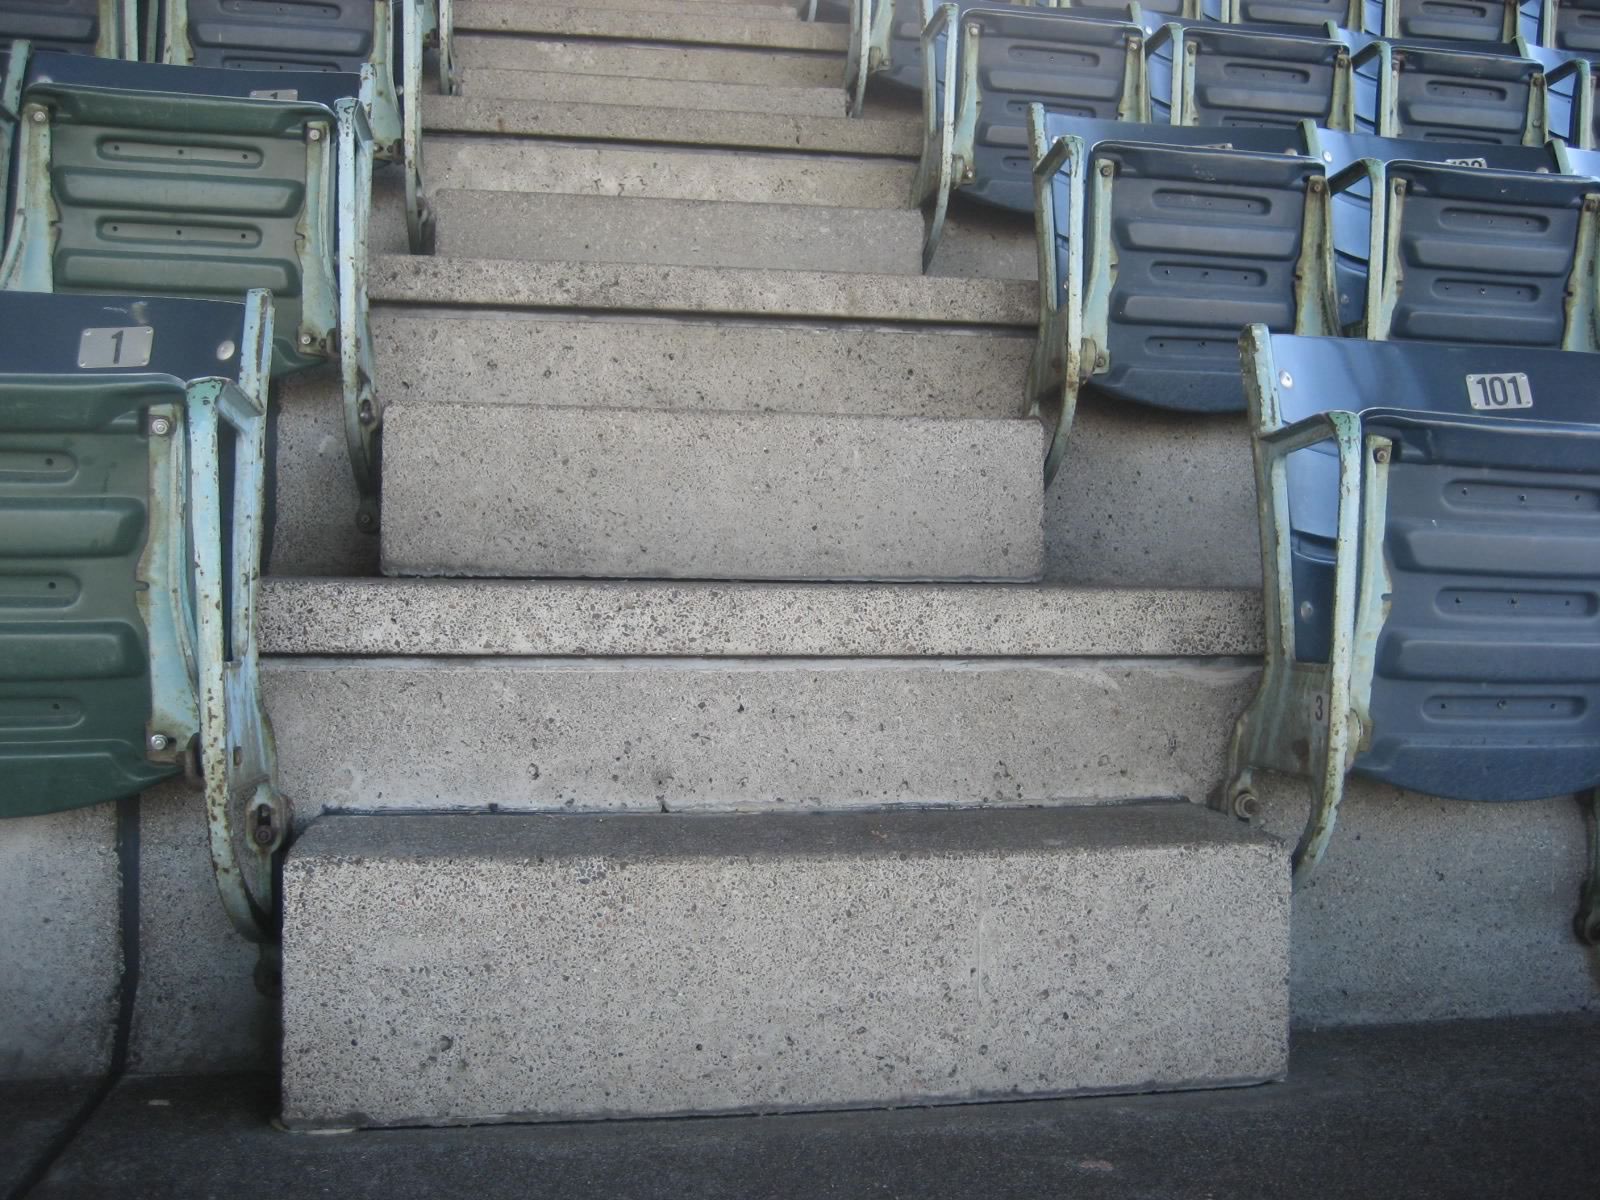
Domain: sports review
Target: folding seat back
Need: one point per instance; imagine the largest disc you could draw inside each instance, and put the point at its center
(337, 36)
(1430, 524)
(886, 42)
(1157, 245)
(1219, 75)
(132, 481)
(1432, 93)
(1088, 63)
(1444, 20)
(186, 181)
(1571, 25)
(1346, 14)
(107, 28)
(1358, 170)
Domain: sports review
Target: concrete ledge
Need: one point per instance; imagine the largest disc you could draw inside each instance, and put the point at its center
(488, 83)
(564, 493)
(445, 969)
(696, 233)
(597, 735)
(711, 64)
(728, 291)
(898, 138)
(707, 28)
(483, 617)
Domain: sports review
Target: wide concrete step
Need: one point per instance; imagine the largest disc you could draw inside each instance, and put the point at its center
(894, 137)
(672, 173)
(444, 969)
(539, 492)
(706, 364)
(704, 26)
(777, 68)
(567, 732)
(767, 10)
(653, 93)
(728, 292)
(697, 233)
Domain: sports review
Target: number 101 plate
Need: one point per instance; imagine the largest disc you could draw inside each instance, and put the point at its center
(1492, 392)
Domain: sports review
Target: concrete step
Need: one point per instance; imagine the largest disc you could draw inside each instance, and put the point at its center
(568, 732)
(481, 82)
(675, 173)
(631, 363)
(772, 295)
(706, 28)
(634, 619)
(713, 64)
(899, 137)
(696, 233)
(442, 970)
(541, 492)
(708, 9)
(719, 233)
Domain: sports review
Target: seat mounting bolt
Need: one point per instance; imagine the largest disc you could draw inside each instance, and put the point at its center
(1380, 455)
(39, 117)
(159, 741)
(160, 427)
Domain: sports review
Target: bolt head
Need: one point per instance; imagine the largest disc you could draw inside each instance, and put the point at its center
(1380, 455)
(263, 835)
(160, 427)
(159, 741)
(226, 350)
(1285, 379)
(39, 116)
(305, 339)
(1246, 807)
(314, 134)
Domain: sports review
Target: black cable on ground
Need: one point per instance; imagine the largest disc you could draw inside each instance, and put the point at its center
(127, 995)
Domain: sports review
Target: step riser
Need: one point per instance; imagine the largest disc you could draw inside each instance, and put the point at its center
(535, 492)
(560, 967)
(701, 233)
(669, 365)
(551, 735)
(563, 120)
(642, 62)
(694, 28)
(652, 93)
(695, 233)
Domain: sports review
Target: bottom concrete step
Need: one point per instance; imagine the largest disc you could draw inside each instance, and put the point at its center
(448, 969)
(569, 492)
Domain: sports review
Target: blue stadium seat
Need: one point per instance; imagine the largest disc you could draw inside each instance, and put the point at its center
(1346, 14)
(1357, 166)
(1486, 93)
(108, 28)
(1001, 59)
(1443, 20)
(1209, 74)
(1157, 244)
(188, 181)
(133, 432)
(1430, 526)
(340, 36)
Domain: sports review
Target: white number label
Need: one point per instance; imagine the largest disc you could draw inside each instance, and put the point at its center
(113, 347)
(275, 94)
(1491, 392)
(1467, 162)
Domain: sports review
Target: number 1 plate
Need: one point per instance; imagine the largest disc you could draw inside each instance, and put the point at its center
(128, 346)
(1491, 393)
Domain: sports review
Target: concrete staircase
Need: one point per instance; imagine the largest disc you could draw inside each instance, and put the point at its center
(765, 774)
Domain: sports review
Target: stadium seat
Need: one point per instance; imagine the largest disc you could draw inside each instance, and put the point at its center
(1346, 14)
(1443, 20)
(342, 36)
(1569, 25)
(1156, 247)
(886, 42)
(1432, 93)
(1209, 74)
(133, 433)
(1430, 528)
(975, 133)
(185, 181)
(108, 28)
(1357, 166)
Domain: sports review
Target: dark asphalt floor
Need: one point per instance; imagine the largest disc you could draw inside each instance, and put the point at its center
(1464, 1109)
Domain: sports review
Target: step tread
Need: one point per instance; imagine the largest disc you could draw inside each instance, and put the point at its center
(503, 283)
(639, 124)
(775, 99)
(709, 28)
(709, 63)
(359, 617)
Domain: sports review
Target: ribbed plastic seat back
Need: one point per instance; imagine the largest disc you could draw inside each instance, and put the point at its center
(88, 488)
(1198, 243)
(173, 180)
(1352, 197)
(1294, 12)
(1232, 76)
(1083, 62)
(1443, 20)
(330, 35)
(1483, 256)
(1575, 26)
(1444, 96)
(70, 26)
(1486, 672)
